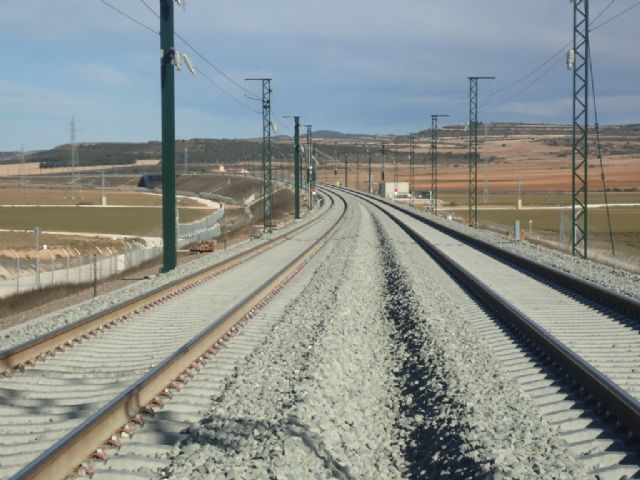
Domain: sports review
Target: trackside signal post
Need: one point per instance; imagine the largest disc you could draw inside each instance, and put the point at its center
(580, 156)
(167, 76)
(297, 171)
(473, 149)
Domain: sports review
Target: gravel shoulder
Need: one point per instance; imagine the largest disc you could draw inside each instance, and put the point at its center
(614, 278)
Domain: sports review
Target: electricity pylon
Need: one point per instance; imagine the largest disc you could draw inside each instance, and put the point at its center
(580, 155)
(434, 161)
(412, 169)
(267, 173)
(309, 155)
(473, 149)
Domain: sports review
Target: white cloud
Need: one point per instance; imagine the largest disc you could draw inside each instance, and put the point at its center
(99, 74)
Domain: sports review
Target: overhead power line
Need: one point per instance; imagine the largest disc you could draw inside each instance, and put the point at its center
(553, 58)
(199, 54)
(208, 78)
(611, 19)
(126, 15)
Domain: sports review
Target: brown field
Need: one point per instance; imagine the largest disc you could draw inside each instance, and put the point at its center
(539, 165)
(33, 168)
(23, 244)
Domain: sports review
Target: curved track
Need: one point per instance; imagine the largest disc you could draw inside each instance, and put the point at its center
(76, 390)
(593, 340)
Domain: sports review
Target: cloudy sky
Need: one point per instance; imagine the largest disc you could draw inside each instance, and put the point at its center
(366, 66)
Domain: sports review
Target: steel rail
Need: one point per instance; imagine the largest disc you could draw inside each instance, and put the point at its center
(16, 356)
(587, 288)
(610, 395)
(60, 460)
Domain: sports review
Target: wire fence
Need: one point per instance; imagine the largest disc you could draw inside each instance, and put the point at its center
(44, 269)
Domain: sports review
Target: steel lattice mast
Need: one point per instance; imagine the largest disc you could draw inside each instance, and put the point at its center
(473, 149)
(412, 169)
(580, 155)
(434, 161)
(309, 158)
(267, 173)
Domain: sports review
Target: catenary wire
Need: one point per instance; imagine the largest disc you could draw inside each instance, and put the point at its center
(199, 54)
(147, 27)
(213, 82)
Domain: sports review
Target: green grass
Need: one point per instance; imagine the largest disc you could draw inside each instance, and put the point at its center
(123, 221)
(538, 199)
(546, 223)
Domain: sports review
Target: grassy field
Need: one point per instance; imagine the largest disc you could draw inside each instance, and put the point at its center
(11, 195)
(123, 221)
(546, 224)
(538, 199)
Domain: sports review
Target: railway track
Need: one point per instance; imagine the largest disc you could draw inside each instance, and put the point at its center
(59, 404)
(572, 346)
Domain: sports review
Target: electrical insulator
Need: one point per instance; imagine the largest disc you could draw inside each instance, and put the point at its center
(571, 59)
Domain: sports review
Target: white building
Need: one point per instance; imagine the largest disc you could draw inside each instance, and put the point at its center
(393, 190)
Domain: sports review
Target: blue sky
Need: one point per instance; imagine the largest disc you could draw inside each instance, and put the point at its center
(366, 66)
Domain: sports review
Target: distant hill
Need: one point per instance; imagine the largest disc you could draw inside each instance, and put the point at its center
(236, 151)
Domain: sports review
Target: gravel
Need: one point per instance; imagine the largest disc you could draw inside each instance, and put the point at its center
(365, 378)
(320, 399)
(471, 418)
(24, 332)
(616, 279)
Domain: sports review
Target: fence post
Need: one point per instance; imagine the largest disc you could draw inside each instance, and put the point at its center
(79, 264)
(18, 270)
(67, 255)
(95, 276)
(53, 268)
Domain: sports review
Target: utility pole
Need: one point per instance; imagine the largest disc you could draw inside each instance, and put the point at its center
(369, 157)
(267, 173)
(473, 149)
(580, 155)
(308, 180)
(346, 169)
(23, 178)
(335, 161)
(412, 169)
(434, 161)
(186, 158)
(297, 170)
(167, 75)
(74, 147)
(358, 171)
(384, 185)
(314, 171)
(485, 163)
(395, 176)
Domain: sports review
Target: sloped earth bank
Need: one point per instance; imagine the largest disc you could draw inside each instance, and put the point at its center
(363, 380)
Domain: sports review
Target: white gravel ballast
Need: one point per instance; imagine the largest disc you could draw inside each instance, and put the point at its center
(372, 374)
